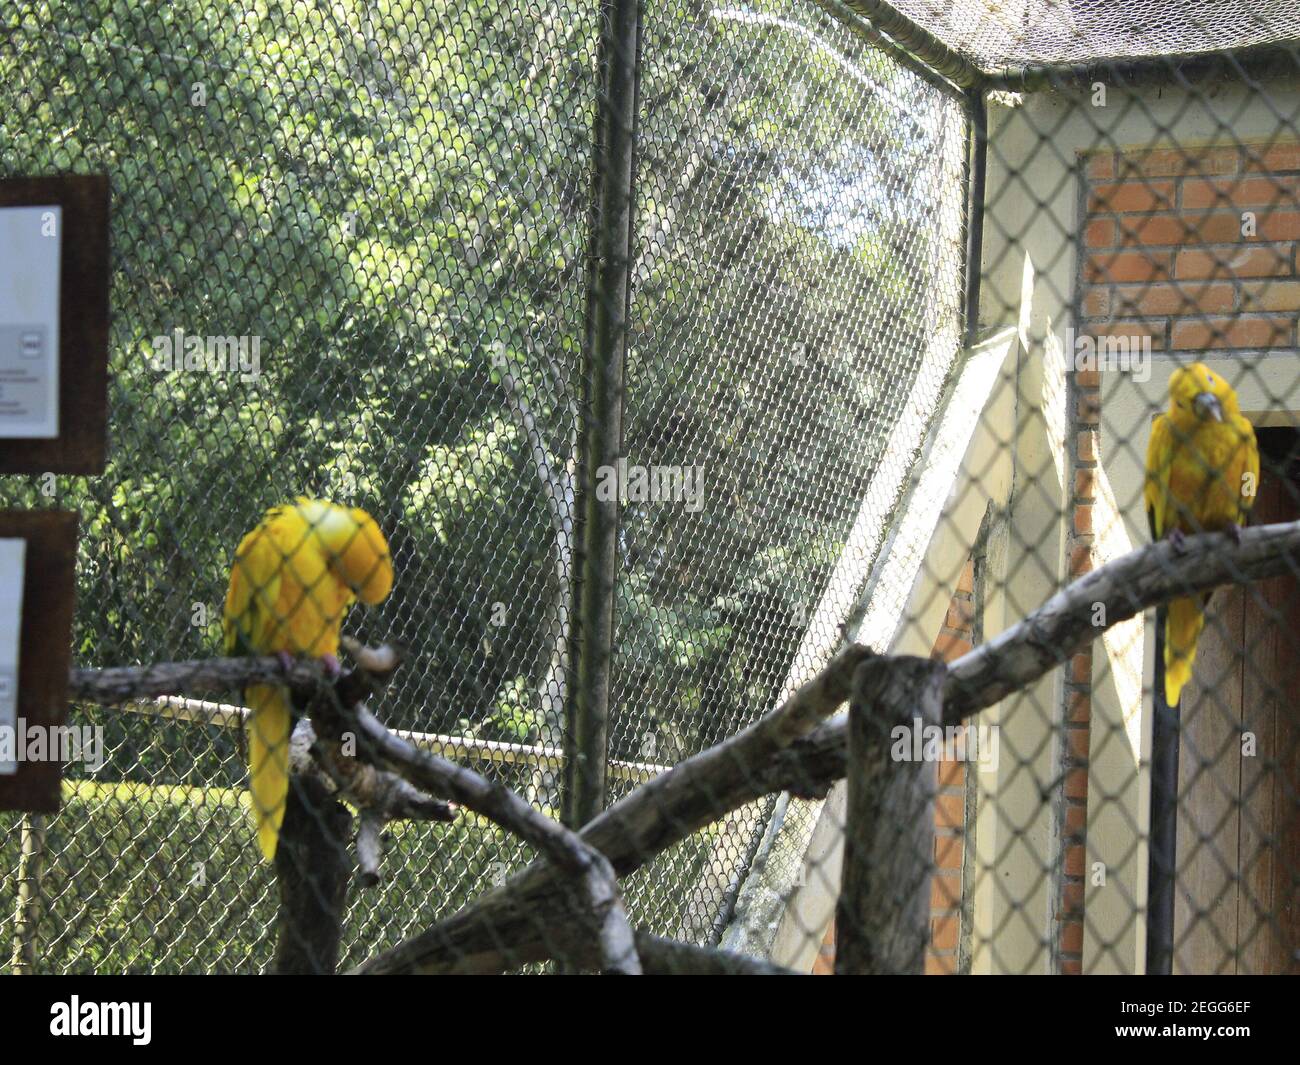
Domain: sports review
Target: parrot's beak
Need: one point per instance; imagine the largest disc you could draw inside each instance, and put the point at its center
(1208, 407)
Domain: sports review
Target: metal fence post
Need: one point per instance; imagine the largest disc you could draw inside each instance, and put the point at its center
(604, 350)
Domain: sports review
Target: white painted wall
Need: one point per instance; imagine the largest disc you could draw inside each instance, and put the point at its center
(1030, 261)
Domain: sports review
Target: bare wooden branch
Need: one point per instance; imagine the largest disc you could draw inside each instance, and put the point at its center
(647, 822)
(370, 848)
(504, 928)
(792, 748)
(383, 794)
(118, 684)
(312, 870)
(1135, 582)
(882, 919)
(669, 957)
(564, 849)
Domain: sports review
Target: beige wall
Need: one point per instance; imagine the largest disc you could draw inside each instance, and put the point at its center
(1030, 263)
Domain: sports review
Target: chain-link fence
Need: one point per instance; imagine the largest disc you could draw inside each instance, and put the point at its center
(672, 346)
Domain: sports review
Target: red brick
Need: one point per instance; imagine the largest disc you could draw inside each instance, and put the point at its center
(1233, 333)
(1089, 407)
(1075, 823)
(1118, 267)
(961, 614)
(1200, 298)
(1082, 520)
(1101, 165)
(1233, 262)
(1080, 560)
(1075, 859)
(1072, 937)
(1100, 233)
(1079, 709)
(1175, 162)
(936, 965)
(950, 646)
(1221, 227)
(1270, 296)
(1131, 196)
(1096, 302)
(943, 933)
(1273, 157)
(1076, 745)
(1081, 668)
(1071, 967)
(950, 811)
(1085, 448)
(1239, 192)
(1148, 230)
(1071, 900)
(1087, 378)
(1076, 784)
(966, 582)
(1276, 225)
(1135, 331)
(1085, 484)
(945, 893)
(952, 774)
(948, 851)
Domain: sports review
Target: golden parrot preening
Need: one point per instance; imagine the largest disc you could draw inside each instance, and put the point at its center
(291, 584)
(1202, 476)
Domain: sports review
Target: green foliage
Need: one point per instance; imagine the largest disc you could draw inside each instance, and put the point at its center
(389, 195)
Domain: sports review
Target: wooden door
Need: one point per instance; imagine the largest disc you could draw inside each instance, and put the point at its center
(1237, 899)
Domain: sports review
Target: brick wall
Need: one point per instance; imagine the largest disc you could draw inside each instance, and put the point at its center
(1073, 800)
(942, 956)
(1196, 249)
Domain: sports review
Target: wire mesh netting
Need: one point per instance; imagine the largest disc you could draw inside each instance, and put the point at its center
(993, 33)
(894, 345)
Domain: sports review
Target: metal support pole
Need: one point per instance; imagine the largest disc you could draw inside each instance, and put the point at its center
(1259, 61)
(976, 170)
(1162, 842)
(920, 42)
(586, 737)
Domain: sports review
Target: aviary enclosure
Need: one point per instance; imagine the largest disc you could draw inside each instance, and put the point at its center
(754, 399)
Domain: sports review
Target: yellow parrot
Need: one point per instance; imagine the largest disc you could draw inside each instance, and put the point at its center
(1202, 476)
(291, 584)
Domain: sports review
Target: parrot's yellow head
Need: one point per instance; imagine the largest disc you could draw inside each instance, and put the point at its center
(356, 548)
(1198, 394)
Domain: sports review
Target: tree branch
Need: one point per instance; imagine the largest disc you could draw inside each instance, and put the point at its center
(789, 749)
(647, 822)
(118, 684)
(1125, 587)
(564, 849)
(503, 928)
(882, 920)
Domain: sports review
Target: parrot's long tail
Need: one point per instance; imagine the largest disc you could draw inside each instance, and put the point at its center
(268, 760)
(1186, 618)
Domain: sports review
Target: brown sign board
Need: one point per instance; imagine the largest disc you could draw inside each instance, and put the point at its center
(54, 337)
(44, 656)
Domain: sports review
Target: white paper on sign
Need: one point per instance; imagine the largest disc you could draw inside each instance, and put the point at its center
(31, 240)
(13, 554)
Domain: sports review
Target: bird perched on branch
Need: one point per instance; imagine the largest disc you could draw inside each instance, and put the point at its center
(1202, 476)
(293, 579)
